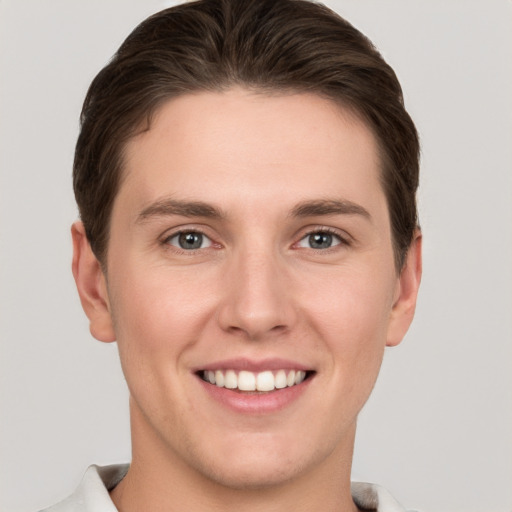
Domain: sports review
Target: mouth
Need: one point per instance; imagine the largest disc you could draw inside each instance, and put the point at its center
(265, 381)
(255, 387)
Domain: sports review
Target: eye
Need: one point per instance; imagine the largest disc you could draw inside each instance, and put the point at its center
(320, 240)
(189, 240)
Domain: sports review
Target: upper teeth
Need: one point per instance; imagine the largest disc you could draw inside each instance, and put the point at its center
(249, 381)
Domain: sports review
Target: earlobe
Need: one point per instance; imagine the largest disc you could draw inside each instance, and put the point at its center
(91, 286)
(407, 292)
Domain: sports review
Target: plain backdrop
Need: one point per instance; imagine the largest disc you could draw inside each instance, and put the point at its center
(438, 429)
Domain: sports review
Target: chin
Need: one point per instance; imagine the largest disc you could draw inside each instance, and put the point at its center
(258, 465)
(258, 476)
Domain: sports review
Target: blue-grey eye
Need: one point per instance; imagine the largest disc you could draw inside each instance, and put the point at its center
(320, 240)
(189, 240)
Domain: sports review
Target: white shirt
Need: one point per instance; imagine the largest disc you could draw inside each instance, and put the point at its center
(92, 495)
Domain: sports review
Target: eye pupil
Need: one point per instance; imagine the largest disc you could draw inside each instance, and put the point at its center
(190, 240)
(320, 240)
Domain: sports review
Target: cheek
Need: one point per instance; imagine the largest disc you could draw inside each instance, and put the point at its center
(351, 302)
(158, 318)
(351, 316)
(159, 312)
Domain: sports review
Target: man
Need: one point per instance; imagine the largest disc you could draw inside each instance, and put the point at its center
(246, 176)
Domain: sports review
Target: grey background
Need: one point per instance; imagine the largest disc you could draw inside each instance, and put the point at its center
(438, 429)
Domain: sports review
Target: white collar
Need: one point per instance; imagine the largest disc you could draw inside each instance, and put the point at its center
(92, 495)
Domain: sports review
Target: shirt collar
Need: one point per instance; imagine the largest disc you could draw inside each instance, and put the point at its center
(92, 495)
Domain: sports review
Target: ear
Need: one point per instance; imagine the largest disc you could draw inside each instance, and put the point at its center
(91, 285)
(406, 293)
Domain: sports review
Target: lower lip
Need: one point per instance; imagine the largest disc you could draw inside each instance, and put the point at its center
(254, 402)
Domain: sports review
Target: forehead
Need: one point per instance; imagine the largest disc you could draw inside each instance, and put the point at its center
(208, 145)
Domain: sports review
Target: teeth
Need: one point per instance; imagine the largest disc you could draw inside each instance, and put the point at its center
(230, 380)
(249, 381)
(299, 376)
(265, 381)
(280, 379)
(246, 381)
(219, 379)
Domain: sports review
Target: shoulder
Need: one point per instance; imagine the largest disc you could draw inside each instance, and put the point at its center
(92, 495)
(374, 497)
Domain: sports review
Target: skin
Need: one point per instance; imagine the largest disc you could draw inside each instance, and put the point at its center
(256, 289)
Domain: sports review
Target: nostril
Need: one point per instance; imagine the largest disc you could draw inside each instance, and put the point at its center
(256, 331)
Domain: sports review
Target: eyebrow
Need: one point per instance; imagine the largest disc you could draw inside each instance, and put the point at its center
(329, 207)
(318, 207)
(167, 207)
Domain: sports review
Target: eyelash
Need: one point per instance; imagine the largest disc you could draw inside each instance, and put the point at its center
(166, 241)
(343, 241)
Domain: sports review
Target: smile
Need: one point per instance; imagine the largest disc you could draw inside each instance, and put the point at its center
(264, 381)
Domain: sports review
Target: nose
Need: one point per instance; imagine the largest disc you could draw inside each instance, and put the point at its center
(257, 300)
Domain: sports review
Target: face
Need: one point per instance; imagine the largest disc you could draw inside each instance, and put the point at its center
(251, 284)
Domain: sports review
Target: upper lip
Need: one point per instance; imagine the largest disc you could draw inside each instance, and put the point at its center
(254, 365)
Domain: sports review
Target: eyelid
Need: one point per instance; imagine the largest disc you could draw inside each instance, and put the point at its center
(184, 228)
(344, 238)
(205, 239)
(169, 234)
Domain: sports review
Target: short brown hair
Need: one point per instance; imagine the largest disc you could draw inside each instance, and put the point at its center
(264, 45)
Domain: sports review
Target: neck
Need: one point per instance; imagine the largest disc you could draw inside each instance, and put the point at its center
(160, 480)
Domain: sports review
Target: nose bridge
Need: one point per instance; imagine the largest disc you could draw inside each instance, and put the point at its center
(256, 299)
